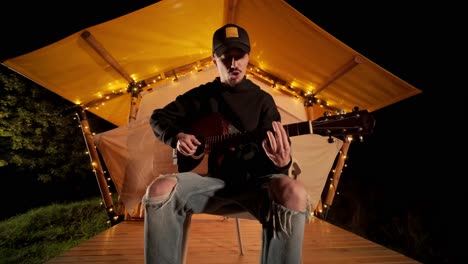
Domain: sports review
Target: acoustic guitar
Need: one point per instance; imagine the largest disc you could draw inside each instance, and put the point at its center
(213, 132)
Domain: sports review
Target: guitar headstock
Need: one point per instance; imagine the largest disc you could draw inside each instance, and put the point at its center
(358, 122)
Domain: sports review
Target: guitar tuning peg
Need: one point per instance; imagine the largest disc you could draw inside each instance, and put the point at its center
(330, 139)
(356, 109)
(341, 112)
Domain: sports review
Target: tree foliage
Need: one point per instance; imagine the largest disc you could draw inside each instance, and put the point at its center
(36, 138)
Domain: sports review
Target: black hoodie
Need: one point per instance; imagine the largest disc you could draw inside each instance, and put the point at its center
(209, 110)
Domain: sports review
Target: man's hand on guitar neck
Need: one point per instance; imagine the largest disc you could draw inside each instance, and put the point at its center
(188, 145)
(277, 146)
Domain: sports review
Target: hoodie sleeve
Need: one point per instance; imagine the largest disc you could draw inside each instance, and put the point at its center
(173, 118)
(165, 122)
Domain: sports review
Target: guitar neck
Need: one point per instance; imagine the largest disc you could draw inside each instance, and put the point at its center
(297, 129)
(354, 123)
(238, 138)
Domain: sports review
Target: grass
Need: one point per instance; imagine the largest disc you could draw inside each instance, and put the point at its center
(46, 232)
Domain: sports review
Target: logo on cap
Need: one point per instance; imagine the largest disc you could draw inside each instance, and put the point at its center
(231, 32)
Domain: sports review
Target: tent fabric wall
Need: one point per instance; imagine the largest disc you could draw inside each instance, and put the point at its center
(134, 157)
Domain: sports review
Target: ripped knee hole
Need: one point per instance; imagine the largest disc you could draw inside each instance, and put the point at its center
(162, 186)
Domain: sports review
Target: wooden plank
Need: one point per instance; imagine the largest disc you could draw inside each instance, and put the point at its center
(213, 240)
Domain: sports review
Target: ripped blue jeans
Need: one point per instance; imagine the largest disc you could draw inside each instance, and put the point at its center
(282, 228)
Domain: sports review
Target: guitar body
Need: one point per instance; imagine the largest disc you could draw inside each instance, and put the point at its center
(209, 126)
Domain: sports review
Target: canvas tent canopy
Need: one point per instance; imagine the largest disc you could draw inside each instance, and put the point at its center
(171, 37)
(108, 68)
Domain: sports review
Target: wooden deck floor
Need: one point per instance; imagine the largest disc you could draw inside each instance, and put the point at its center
(213, 240)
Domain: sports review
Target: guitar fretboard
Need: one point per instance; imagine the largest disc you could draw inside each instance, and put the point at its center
(297, 129)
(292, 130)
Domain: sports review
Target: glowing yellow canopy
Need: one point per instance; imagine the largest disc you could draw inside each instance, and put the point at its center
(173, 37)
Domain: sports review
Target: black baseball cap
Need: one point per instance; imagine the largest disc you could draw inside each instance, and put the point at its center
(230, 36)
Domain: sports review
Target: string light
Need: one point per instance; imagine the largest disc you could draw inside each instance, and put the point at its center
(175, 74)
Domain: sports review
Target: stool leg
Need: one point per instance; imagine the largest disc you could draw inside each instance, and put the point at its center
(239, 238)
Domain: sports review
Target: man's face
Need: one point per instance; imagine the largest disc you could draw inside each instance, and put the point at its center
(232, 66)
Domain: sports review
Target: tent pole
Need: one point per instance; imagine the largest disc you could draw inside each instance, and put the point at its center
(135, 89)
(336, 175)
(94, 43)
(344, 69)
(324, 206)
(97, 168)
(231, 12)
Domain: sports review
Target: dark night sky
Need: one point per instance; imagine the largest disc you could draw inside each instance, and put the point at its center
(411, 157)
